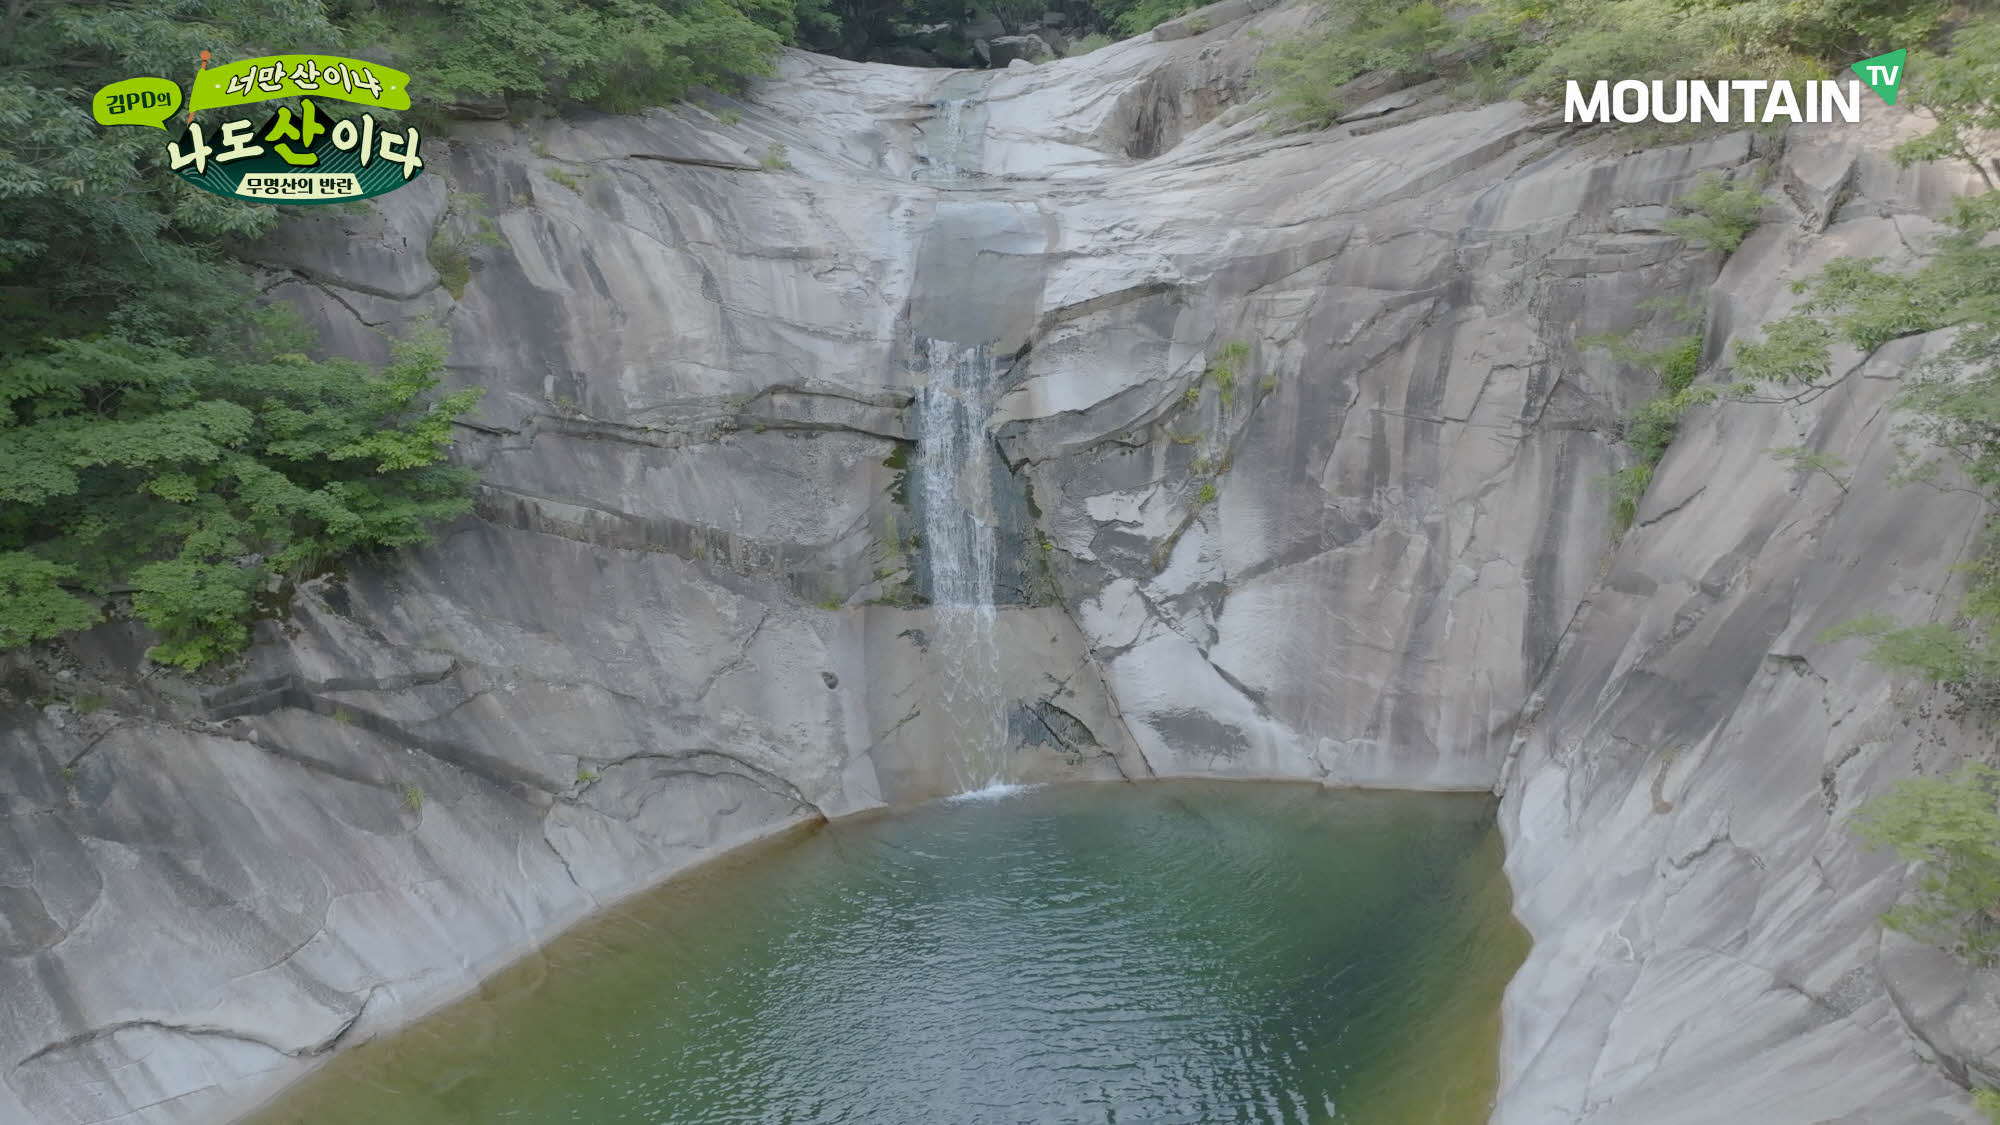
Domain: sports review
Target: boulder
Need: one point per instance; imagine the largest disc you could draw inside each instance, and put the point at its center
(1008, 48)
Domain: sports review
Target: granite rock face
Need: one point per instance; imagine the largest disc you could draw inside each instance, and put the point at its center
(1704, 919)
(1297, 457)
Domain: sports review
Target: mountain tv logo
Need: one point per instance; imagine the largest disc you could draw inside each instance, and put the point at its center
(301, 152)
(1744, 101)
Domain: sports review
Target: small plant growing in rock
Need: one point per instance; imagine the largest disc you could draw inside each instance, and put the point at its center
(1719, 214)
(342, 715)
(776, 158)
(566, 180)
(830, 602)
(1652, 427)
(730, 115)
(89, 704)
(1228, 362)
(542, 150)
(585, 775)
(450, 250)
(1987, 1101)
(1207, 494)
(1192, 395)
(413, 797)
(1806, 460)
(1268, 383)
(453, 264)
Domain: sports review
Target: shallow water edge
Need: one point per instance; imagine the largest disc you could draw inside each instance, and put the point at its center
(1461, 1026)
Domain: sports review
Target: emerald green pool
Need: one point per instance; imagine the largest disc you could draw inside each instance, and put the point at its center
(1135, 954)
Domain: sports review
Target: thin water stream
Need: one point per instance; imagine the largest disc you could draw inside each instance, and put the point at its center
(954, 403)
(1172, 952)
(955, 476)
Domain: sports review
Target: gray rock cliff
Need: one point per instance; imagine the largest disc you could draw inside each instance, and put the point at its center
(689, 609)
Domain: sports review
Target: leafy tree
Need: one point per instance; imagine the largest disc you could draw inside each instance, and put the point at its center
(1354, 37)
(188, 481)
(1834, 31)
(617, 55)
(160, 438)
(1804, 460)
(1954, 404)
(1136, 17)
(1960, 89)
(94, 233)
(1951, 825)
(1531, 48)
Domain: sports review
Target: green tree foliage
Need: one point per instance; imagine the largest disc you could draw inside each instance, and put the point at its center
(1136, 17)
(868, 29)
(1797, 349)
(1954, 404)
(1649, 433)
(1530, 48)
(189, 480)
(161, 438)
(1653, 426)
(94, 234)
(1957, 89)
(1803, 460)
(1835, 32)
(1950, 825)
(1229, 361)
(1719, 214)
(617, 55)
(1934, 651)
(1353, 37)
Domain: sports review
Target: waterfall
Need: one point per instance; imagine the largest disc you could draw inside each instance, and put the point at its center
(954, 474)
(944, 147)
(954, 478)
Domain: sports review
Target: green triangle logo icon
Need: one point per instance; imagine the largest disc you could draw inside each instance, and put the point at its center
(1883, 73)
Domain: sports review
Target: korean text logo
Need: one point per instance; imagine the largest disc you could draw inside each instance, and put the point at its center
(302, 151)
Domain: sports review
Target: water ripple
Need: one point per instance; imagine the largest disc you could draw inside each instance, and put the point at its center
(1129, 954)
